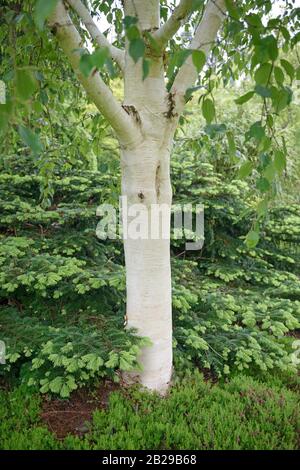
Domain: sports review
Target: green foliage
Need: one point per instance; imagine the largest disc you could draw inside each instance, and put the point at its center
(244, 98)
(30, 139)
(234, 304)
(199, 59)
(247, 153)
(199, 416)
(266, 51)
(45, 116)
(61, 358)
(243, 414)
(97, 60)
(42, 11)
(136, 49)
(208, 110)
(62, 289)
(19, 422)
(136, 42)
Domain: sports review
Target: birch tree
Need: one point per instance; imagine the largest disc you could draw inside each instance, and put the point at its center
(144, 125)
(160, 69)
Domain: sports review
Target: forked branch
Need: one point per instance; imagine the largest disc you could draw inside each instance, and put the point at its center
(172, 25)
(71, 43)
(116, 54)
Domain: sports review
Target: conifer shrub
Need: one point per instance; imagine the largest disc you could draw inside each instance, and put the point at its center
(62, 289)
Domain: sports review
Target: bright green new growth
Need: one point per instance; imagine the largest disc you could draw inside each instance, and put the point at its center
(62, 316)
(62, 290)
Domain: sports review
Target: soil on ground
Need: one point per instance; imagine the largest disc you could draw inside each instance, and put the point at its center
(74, 416)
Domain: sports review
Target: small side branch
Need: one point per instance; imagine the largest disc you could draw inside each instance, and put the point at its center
(204, 39)
(171, 26)
(71, 42)
(116, 54)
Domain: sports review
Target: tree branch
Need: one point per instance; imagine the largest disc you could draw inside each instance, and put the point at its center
(171, 26)
(117, 54)
(204, 38)
(71, 42)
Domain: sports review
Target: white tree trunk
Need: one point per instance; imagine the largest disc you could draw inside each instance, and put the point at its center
(146, 182)
(145, 126)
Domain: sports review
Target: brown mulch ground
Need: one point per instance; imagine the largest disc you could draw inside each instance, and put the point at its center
(73, 416)
(209, 376)
(295, 334)
(4, 385)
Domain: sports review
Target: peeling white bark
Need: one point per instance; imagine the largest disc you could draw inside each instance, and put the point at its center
(146, 180)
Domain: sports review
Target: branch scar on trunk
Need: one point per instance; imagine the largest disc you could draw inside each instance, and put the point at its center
(170, 113)
(157, 182)
(131, 110)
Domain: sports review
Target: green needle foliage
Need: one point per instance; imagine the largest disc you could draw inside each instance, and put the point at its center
(62, 289)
